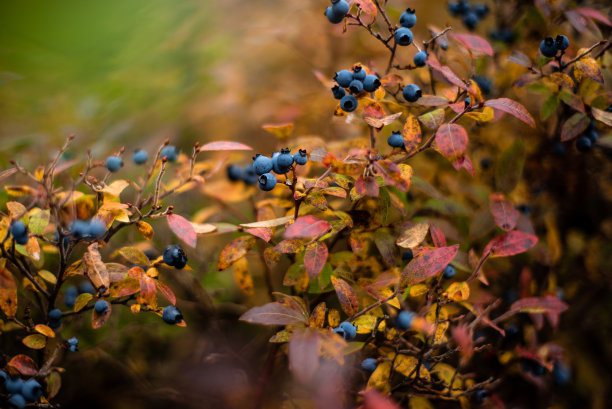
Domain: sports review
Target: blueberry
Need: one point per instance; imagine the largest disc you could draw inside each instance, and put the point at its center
(234, 173)
(470, 20)
(562, 374)
(348, 103)
(412, 92)
(55, 324)
(73, 344)
(344, 78)
(485, 163)
(609, 109)
(449, 271)
(356, 87)
(458, 8)
(249, 176)
(55, 314)
(32, 391)
(562, 42)
(420, 58)
(538, 370)
(332, 17)
(17, 401)
(511, 330)
(79, 229)
(548, 47)
(350, 331)
(481, 10)
(171, 153)
(114, 163)
(70, 295)
(3, 378)
(467, 102)
(592, 134)
(101, 306)
(395, 140)
(404, 319)
(340, 332)
(371, 83)
(504, 35)
(13, 385)
(583, 144)
(407, 255)
(175, 256)
(285, 159)
(359, 73)
(18, 229)
(300, 157)
(403, 36)
(524, 208)
(369, 364)
(484, 84)
(96, 228)
(172, 315)
(408, 18)
(275, 168)
(87, 287)
(267, 181)
(338, 92)
(140, 156)
(480, 396)
(262, 164)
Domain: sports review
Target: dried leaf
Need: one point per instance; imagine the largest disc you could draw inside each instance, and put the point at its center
(269, 223)
(243, 277)
(274, 313)
(413, 236)
(504, 213)
(603, 116)
(8, 291)
(95, 268)
(378, 123)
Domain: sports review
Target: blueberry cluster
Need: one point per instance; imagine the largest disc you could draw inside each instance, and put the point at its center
(346, 330)
(280, 163)
(337, 11)
(585, 142)
(20, 392)
(92, 229)
(19, 231)
(403, 35)
(549, 47)
(172, 315)
(354, 81)
(245, 174)
(73, 344)
(55, 318)
(175, 256)
(470, 15)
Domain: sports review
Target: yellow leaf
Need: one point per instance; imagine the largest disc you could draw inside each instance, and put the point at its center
(18, 191)
(46, 331)
(115, 188)
(243, 277)
(380, 377)
(406, 365)
(458, 291)
(145, 230)
(418, 402)
(16, 210)
(82, 301)
(281, 131)
(35, 341)
(366, 324)
(333, 317)
(417, 290)
(47, 276)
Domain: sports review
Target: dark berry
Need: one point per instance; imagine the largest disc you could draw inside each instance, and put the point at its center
(13, 385)
(172, 315)
(19, 231)
(359, 73)
(171, 153)
(17, 401)
(369, 364)
(403, 36)
(139, 157)
(348, 103)
(584, 144)
(371, 83)
(485, 163)
(340, 7)
(407, 255)
(408, 18)
(344, 78)
(481, 10)
(101, 306)
(175, 256)
(356, 87)
(470, 20)
(262, 164)
(420, 58)
(562, 42)
(548, 47)
(592, 134)
(449, 271)
(524, 208)
(55, 314)
(70, 295)
(404, 319)
(86, 287)
(562, 374)
(32, 391)
(467, 102)
(333, 17)
(484, 84)
(412, 92)
(350, 331)
(3, 378)
(79, 229)
(114, 163)
(454, 8)
(395, 140)
(234, 173)
(249, 176)
(338, 92)
(285, 159)
(300, 157)
(267, 181)
(480, 396)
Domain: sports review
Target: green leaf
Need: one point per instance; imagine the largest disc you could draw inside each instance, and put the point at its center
(510, 167)
(549, 106)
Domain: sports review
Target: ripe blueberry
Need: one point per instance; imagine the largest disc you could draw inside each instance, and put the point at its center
(55, 314)
(267, 181)
(262, 164)
(332, 17)
(458, 8)
(407, 255)
(467, 101)
(420, 58)
(175, 256)
(369, 364)
(480, 396)
(356, 87)
(70, 295)
(234, 173)
(470, 20)
(561, 373)
(172, 315)
(484, 84)
(403, 36)
(96, 228)
(562, 42)
(300, 157)
(412, 92)
(101, 306)
(371, 83)
(139, 157)
(359, 73)
(404, 319)
(13, 385)
(338, 92)
(73, 344)
(344, 78)
(548, 47)
(114, 163)
(408, 18)
(17, 401)
(449, 271)
(87, 287)
(285, 159)
(249, 176)
(481, 10)
(350, 331)
(583, 144)
(79, 229)
(592, 134)
(348, 103)
(32, 391)
(171, 153)
(395, 140)
(19, 231)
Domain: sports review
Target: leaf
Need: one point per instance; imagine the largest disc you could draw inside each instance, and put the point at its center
(44, 330)
(346, 295)
(378, 123)
(38, 222)
(519, 58)
(235, 250)
(603, 116)
(24, 365)
(446, 72)
(16, 210)
(373, 399)
(536, 305)
(406, 365)
(513, 108)
(54, 384)
(428, 263)
(147, 293)
(35, 341)
(315, 257)
(437, 236)
(413, 236)
(432, 101)
(225, 146)
(510, 167)
(367, 6)
(166, 291)
(572, 100)
(473, 42)
(549, 106)
(458, 291)
(274, 313)
(81, 301)
(504, 213)
(243, 277)
(574, 126)
(145, 230)
(511, 243)
(262, 232)
(269, 223)
(8, 291)
(115, 188)
(95, 268)
(451, 141)
(203, 228)
(306, 227)
(98, 320)
(594, 14)
(411, 133)
(588, 67)
(183, 229)
(367, 323)
(281, 131)
(304, 354)
(380, 380)
(19, 191)
(432, 119)
(366, 186)
(133, 255)
(386, 246)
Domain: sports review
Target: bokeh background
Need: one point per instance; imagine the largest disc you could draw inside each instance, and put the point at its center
(133, 73)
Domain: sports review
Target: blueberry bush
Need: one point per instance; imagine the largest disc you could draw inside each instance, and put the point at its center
(426, 255)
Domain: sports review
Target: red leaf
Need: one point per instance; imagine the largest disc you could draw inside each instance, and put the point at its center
(166, 291)
(451, 140)
(428, 263)
(366, 186)
(225, 146)
(262, 232)
(574, 126)
(464, 162)
(474, 43)
(24, 365)
(304, 354)
(367, 6)
(513, 108)
(511, 243)
(594, 14)
(147, 291)
(315, 257)
(274, 313)
(437, 235)
(537, 305)
(183, 229)
(446, 72)
(504, 213)
(306, 227)
(577, 20)
(346, 295)
(372, 399)
(464, 340)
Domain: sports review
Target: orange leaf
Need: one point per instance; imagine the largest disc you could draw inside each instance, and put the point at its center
(281, 131)
(411, 133)
(95, 268)
(166, 291)
(366, 186)
(183, 229)
(428, 263)
(23, 364)
(262, 232)
(513, 108)
(235, 250)
(346, 295)
(446, 72)
(145, 230)
(315, 257)
(504, 213)
(8, 291)
(243, 277)
(225, 146)
(45, 330)
(511, 243)
(451, 140)
(307, 227)
(367, 6)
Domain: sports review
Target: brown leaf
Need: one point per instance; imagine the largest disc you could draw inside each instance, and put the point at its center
(588, 67)
(235, 250)
(274, 313)
(183, 229)
(367, 6)
(513, 108)
(451, 140)
(504, 213)
(428, 263)
(289, 246)
(8, 291)
(315, 257)
(225, 146)
(24, 365)
(380, 122)
(306, 227)
(603, 116)
(574, 126)
(317, 318)
(413, 235)
(473, 42)
(95, 268)
(511, 243)
(346, 295)
(536, 305)
(366, 186)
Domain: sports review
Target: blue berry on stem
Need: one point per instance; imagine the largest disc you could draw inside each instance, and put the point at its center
(17, 401)
(412, 92)
(343, 78)
(171, 153)
(481, 10)
(480, 396)
(79, 229)
(96, 228)
(359, 73)
(420, 58)
(548, 47)
(403, 36)
(338, 92)
(32, 391)
(369, 364)
(55, 314)
(407, 255)
(583, 144)
(86, 287)
(350, 331)
(101, 306)
(70, 295)
(562, 42)
(140, 156)
(285, 159)
(356, 87)
(371, 83)
(300, 157)
(234, 173)
(172, 315)
(333, 17)
(470, 20)
(249, 175)
(348, 103)
(267, 181)
(114, 163)
(408, 18)
(174, 256)
(262, 164)
(484, 84)
(449, 271)
(404, 319)
(13, 385)
(395, 140)
(19, 231)
(467, 102)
